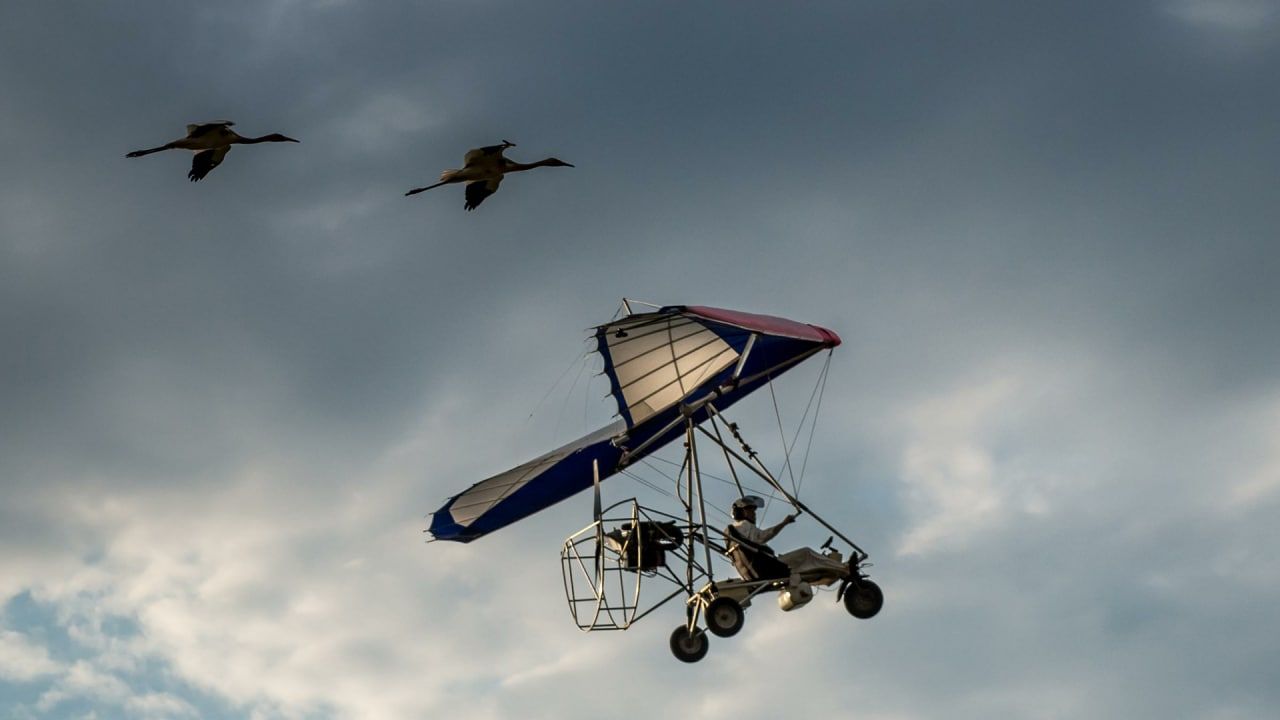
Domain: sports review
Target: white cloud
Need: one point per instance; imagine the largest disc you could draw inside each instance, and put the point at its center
(576, 661)
(285, 599)
(22, 660)
(1261, 481)
(952, 491)
(84, 681)
(159, 705)
(1226, 15)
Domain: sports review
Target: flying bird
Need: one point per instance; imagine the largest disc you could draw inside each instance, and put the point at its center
(482, 171)
(211, 143)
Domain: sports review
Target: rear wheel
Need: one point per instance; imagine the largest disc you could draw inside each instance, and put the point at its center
(863, 599)
(724, 616)
(688, 647)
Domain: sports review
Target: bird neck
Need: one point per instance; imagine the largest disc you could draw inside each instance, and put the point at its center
(517, 167)
(254, 140)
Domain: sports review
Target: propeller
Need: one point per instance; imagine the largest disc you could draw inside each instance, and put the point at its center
(595, 476)
(596, 513)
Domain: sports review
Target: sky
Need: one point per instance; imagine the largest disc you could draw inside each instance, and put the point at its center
(1045, 231)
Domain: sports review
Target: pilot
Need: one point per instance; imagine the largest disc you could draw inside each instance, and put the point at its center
(744, 521)
(749, 544)
(755, 560)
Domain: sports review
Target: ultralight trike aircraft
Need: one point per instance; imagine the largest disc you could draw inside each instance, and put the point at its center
(673, 371)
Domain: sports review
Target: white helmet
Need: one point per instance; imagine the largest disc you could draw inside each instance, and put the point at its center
(746, 501)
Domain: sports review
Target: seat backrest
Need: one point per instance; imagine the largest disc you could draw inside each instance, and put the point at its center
(742, 554)
(752, 561)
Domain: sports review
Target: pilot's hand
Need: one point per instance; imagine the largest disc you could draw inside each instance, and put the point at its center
(789, 519)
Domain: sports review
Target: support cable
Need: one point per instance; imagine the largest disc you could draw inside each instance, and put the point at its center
(647, 483)
(744, 489)
(582, 366)
(786, 452)
(814, 426)
(789, 448)
(560, 379)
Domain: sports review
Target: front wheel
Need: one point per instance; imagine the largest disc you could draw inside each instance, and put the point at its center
(688, 647)
(724, 616)
(863, 599)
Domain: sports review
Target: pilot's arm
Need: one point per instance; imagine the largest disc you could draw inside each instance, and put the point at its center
(760, 537)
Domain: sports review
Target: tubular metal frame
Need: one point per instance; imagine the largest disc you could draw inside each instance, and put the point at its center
(611, 602)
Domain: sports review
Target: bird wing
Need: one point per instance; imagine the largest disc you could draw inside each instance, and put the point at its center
(196, 130)
(205, 161)
(478, 190)
(487, 153)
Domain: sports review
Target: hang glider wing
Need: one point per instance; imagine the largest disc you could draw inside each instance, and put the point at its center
(525, 489)
(662, 366)
(658, 360)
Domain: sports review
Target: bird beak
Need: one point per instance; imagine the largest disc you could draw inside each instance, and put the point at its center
(570, 165)
(292, 140)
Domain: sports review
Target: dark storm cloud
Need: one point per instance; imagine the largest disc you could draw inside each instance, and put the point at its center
(1072, 205)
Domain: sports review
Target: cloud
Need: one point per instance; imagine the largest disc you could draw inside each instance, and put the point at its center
(160, 705)
(1226, 15)
(1259, 485)
(1045, 234)
(959, 477)
(23, 661)
(948, 473)
(83, 681)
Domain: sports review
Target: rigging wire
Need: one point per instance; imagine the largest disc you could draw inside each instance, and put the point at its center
(822, 391)
(769, 494)
(800, 428)
(582, 365)
(819, 389)
(653, 486)
(721, 513)
(672, 480)
(577, 359)
(647, 483)
(591, 378)
(705, 475)
(786, 452)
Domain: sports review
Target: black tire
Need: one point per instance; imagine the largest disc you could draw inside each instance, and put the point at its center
(689, 648)
(863, 599)
(724, 617)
